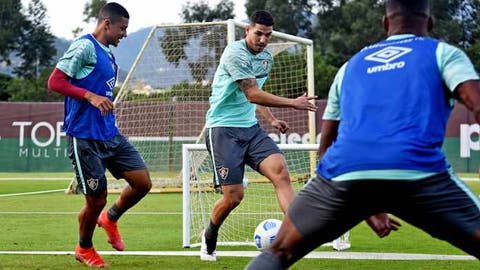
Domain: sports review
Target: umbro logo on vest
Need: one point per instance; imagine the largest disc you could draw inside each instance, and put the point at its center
(386, 56)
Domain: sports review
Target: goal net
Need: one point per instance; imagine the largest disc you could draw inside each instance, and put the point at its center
(259, 202)
(163, 99)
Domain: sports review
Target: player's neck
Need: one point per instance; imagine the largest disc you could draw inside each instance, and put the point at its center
(100, 38)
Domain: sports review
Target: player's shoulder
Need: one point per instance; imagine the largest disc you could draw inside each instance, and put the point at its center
(82, 44)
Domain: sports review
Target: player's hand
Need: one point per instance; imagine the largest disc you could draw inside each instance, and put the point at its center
(281, 125)
(303, 103)
(104, 104)
(382, 224)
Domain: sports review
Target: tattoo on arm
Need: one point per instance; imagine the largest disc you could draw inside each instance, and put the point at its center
(246, 84)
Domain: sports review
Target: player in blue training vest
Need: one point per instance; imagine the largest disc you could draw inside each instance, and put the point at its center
(382, 134)
(86, 75)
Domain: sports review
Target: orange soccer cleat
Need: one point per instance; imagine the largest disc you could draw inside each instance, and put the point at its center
(111, 229)
(89, 256)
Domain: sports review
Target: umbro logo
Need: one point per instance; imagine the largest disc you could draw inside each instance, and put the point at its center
(388, 54)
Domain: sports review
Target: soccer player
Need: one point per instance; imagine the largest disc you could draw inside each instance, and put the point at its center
(86, 75)
(234, 137)
(387, 111)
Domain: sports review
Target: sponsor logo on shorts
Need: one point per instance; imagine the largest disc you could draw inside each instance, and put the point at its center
(223, 173)
(92, 183)
(386, 56)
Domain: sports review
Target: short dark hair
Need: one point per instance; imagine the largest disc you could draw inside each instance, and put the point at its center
(113, 11)
(408, 7)
(261, 17)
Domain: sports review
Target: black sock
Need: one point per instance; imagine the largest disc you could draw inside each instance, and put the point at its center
(85, 243)
(212, 230)
(211, 234)
(114, 213)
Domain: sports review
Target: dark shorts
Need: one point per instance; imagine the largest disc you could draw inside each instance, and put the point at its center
(91, 158)
(231, 148)
(442, 205)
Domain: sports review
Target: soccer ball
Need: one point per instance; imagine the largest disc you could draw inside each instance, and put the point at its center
(266, 232)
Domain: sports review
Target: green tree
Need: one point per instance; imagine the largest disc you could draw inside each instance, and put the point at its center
(33, 89)
(201, 11)
(12, 21)
(90, 13)
(175, 40)
(291, 16)
(36, 48)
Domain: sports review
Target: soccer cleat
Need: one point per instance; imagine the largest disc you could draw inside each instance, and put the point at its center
(90, 257)
(204, 254)
(342, 242)
(111, 229)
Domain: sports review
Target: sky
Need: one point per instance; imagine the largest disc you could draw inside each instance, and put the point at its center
(63, 16)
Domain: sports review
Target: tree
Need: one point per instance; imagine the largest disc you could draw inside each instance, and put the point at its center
(291, 16)
(201, 12)
(36, 47)
(90, 13)
(11, 22)
(175, 40)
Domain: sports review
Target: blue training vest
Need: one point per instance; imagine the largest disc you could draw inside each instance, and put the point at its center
(394, 111)
(83, 120)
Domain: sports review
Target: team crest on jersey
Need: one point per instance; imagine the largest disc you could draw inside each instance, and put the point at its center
(223, 173)
(92, 183)
(265, 64)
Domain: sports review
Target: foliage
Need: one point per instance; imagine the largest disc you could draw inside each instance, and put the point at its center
(324, 73)
(344, 27)
(291, 16)
(90, 13)
(201, 12)
(4, 82)
(12, 22)
(32, 89)
(36, 43)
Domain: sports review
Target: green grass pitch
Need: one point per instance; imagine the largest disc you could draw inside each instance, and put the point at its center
(48, 222)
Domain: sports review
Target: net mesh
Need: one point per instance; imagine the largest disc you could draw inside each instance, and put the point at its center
(163, 101)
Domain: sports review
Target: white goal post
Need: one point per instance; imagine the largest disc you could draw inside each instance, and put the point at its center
(258, 204)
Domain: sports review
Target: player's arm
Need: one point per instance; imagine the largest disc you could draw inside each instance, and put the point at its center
(460, 76)
(59, 82)
(256, 95)
(281, 125)
(468, 93)
(328, 135)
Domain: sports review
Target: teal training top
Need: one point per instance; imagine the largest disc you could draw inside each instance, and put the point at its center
(229, 107)
(454, 68)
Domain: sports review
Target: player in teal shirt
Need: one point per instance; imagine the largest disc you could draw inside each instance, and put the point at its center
(234, 137)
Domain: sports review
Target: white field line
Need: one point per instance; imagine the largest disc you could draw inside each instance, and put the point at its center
(467, 179)
(35, 178)
(76, 213)
(313, 255)
(32, 193)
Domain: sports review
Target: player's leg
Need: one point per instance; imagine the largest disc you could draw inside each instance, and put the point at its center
(123, 161)
(227, 156)
(265, 157)
(314, 218)
(90, 175)
(445, 207)
(274, 167)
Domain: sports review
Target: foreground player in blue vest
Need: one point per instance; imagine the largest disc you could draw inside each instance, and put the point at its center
(383, 130)
(86, 75)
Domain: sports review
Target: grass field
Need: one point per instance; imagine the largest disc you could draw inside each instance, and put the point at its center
(39, 231)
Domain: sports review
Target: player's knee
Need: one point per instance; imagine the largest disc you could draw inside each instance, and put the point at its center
(233, 201)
